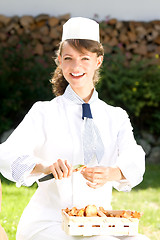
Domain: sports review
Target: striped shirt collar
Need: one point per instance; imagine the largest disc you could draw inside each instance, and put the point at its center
(71, 95)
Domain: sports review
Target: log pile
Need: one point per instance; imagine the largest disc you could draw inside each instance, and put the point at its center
(42, 34)
(140, 38)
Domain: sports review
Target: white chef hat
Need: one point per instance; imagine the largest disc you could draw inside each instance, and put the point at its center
(81, 28)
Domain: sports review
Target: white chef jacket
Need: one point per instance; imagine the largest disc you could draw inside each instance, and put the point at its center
(53, 130)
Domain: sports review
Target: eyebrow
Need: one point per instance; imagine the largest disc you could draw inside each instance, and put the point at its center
(81, 55)
(67, 55)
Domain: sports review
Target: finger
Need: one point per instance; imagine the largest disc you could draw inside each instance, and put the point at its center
(90, 178)
(97, 169)
(58, 170)
(66, 168)
(93, 185)
(97, 181)
(63, 168)
(70, 170)
(53, 171)
(93, 177)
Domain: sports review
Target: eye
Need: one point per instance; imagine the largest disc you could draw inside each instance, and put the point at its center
(67, 58)
(85, 58)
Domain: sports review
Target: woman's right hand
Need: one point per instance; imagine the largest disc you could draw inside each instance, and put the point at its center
(60, 169)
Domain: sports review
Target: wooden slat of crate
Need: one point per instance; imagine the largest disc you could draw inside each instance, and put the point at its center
(88, 226)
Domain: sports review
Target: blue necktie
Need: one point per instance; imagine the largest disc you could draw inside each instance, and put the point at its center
(86, 111)
(92, 143)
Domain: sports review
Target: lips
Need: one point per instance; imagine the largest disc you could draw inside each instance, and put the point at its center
(77, 74)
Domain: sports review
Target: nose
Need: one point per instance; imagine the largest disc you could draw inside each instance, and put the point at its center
(76, 64)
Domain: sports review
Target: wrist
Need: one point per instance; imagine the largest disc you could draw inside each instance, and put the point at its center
(39, 168)
(116, 174)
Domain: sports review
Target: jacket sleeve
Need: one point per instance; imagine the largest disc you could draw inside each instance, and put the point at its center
(17, 153)
(131, 157)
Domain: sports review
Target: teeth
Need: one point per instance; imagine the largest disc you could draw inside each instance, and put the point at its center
(77, 74)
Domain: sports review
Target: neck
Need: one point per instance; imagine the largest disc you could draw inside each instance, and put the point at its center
(84, 94)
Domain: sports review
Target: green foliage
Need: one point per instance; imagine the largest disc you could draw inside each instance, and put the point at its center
(24, 79)
(134, 86)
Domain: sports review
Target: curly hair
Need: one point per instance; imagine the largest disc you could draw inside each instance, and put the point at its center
(58, 81)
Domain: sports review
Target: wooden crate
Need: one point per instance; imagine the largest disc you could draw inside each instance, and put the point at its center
(88, 226)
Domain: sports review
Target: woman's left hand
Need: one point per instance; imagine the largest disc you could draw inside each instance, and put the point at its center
(98, 176)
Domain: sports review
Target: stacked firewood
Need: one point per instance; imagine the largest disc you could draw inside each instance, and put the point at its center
(141, 38)
(43, 33)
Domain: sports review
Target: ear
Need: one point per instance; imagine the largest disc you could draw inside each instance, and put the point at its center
(99, 61)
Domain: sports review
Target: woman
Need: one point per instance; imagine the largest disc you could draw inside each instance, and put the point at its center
(76, 127)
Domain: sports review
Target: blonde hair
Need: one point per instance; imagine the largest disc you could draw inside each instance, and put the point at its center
(58, 81)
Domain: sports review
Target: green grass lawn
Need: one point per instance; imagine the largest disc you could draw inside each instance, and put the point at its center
(144, 198)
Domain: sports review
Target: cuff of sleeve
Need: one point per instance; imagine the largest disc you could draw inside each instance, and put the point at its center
(122, 185)
(28, 179)
(133, 174)
(22, 168)
(132, 167)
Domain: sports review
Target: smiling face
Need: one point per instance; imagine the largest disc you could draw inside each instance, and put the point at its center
(79, 67)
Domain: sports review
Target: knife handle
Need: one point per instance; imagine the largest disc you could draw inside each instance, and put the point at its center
(45, 178)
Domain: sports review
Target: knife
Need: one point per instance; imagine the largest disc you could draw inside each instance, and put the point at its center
(76, 168)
